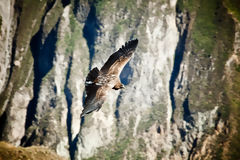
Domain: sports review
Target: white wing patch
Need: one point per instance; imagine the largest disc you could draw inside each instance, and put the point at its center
(89, 82)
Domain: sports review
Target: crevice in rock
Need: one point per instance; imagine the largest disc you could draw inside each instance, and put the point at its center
(183, 133)
(48, 8)
(69, 97)
(186, 112)
(192, 149)
(65, 2)
(28, 142)
(40, 53)
(43, 55)
(90, 32)
(74, 147)
(158, 130)
(3, 120)
(75, 6)
(178, 57)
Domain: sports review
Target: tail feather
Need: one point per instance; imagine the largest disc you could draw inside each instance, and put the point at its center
(92, 107)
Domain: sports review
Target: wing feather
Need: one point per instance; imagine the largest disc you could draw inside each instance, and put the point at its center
(119, 59)
(90, 86)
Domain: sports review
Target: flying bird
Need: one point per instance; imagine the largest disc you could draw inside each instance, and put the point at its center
(99, 83)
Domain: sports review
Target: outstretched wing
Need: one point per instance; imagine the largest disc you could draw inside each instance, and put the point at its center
(95, 93)
(119, 59)
(90, 85)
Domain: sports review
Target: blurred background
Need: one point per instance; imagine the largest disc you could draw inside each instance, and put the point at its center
(182, 94)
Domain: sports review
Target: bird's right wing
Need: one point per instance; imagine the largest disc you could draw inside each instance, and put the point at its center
(94, 92)
(90, 86)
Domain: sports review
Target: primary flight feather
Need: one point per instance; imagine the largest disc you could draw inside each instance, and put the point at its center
(99, 83)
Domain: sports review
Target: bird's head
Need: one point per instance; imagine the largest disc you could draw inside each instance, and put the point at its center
(117, 87)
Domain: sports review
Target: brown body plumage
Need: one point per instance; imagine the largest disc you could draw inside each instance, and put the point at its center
(98, 83)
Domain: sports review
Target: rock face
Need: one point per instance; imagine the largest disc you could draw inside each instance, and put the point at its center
(8, 151)
(178, 101)
(6, 11)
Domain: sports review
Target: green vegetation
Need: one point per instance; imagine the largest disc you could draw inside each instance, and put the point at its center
(103, 5)
(137, 13)
(141, 145)
(7, 151)
(127, 145)
(233, 7)
(52, 17)
(122, 148)
(157, 113)
(100, 6)
(233, 92)
(227, 146)
(24, 70)
(70, 39)
(32, 12)
(190, 5)
(115, 151)
(211, 38)
(208, 24)
(237, 68)
(205, 26)
(161, 154)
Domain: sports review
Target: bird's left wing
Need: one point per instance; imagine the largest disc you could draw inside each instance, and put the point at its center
(119, 59)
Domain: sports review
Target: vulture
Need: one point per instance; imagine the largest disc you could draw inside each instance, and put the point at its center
(99, 82)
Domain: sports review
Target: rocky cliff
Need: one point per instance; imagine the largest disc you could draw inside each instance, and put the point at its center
(8, 151)
(181, 99)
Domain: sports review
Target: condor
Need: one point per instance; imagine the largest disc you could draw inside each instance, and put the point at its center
(99, 83)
